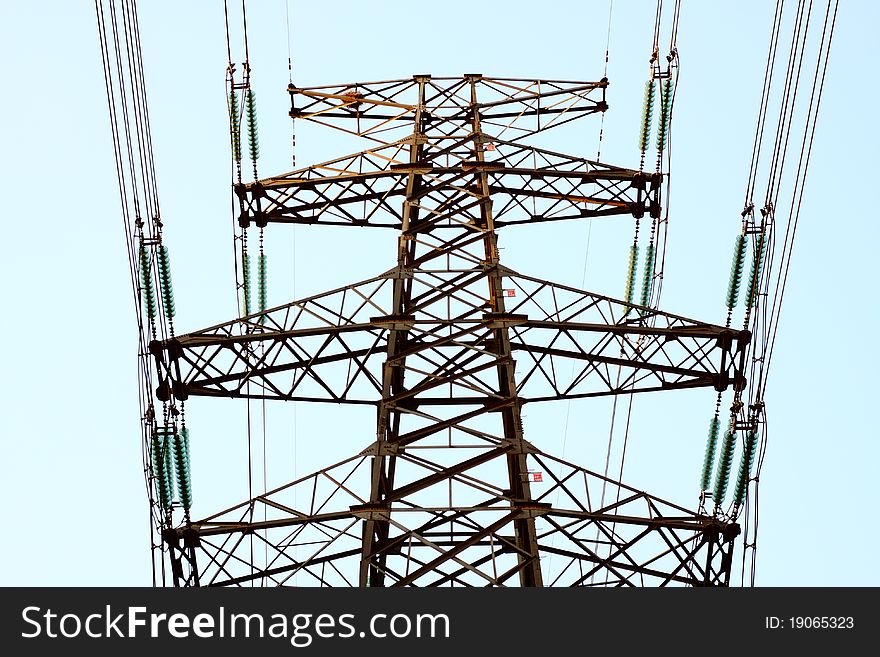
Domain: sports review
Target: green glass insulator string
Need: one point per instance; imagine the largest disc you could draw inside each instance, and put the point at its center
(147, 283)
(725, 462)
(253, 137)
(235, 126)
(182, 465)
(756, 270)
(709, 460)
(246, 283)
(647, 115)
(161, 448)
(631, 274)
(648, 274)
(745, 468)
(262, 284)
(165, 281)
(736, 271)
(665, 114)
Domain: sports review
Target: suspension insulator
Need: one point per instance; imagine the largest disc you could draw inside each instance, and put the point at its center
(725, 461)
(709, 460)
(745, 468)
(246, 284)
(147, 283)
(756, 270)
(235, 126)
(631, 273)
(648, 274)
(262, 284)
(736, 271)
(665, 113)
(251, 110)
(647, 114)
(165, 281)
(181, 464)
(161, 448)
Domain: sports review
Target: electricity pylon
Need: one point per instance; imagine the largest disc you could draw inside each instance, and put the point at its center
(449, 345)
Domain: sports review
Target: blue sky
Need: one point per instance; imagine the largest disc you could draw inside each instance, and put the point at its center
(73, 492)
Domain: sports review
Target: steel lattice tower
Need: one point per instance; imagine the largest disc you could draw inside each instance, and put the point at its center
(443, 495)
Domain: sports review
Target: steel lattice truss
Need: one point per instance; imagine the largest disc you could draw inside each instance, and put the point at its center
(449, 345)
(384, 112)
(528, 185)
(332, 347)
(310, 532)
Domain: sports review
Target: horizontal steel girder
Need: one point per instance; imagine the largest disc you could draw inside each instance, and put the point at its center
(311, 532)
(527, 185)
(567, 344)
(383, 112)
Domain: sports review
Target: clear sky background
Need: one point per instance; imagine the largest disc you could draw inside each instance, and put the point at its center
(73, 495)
